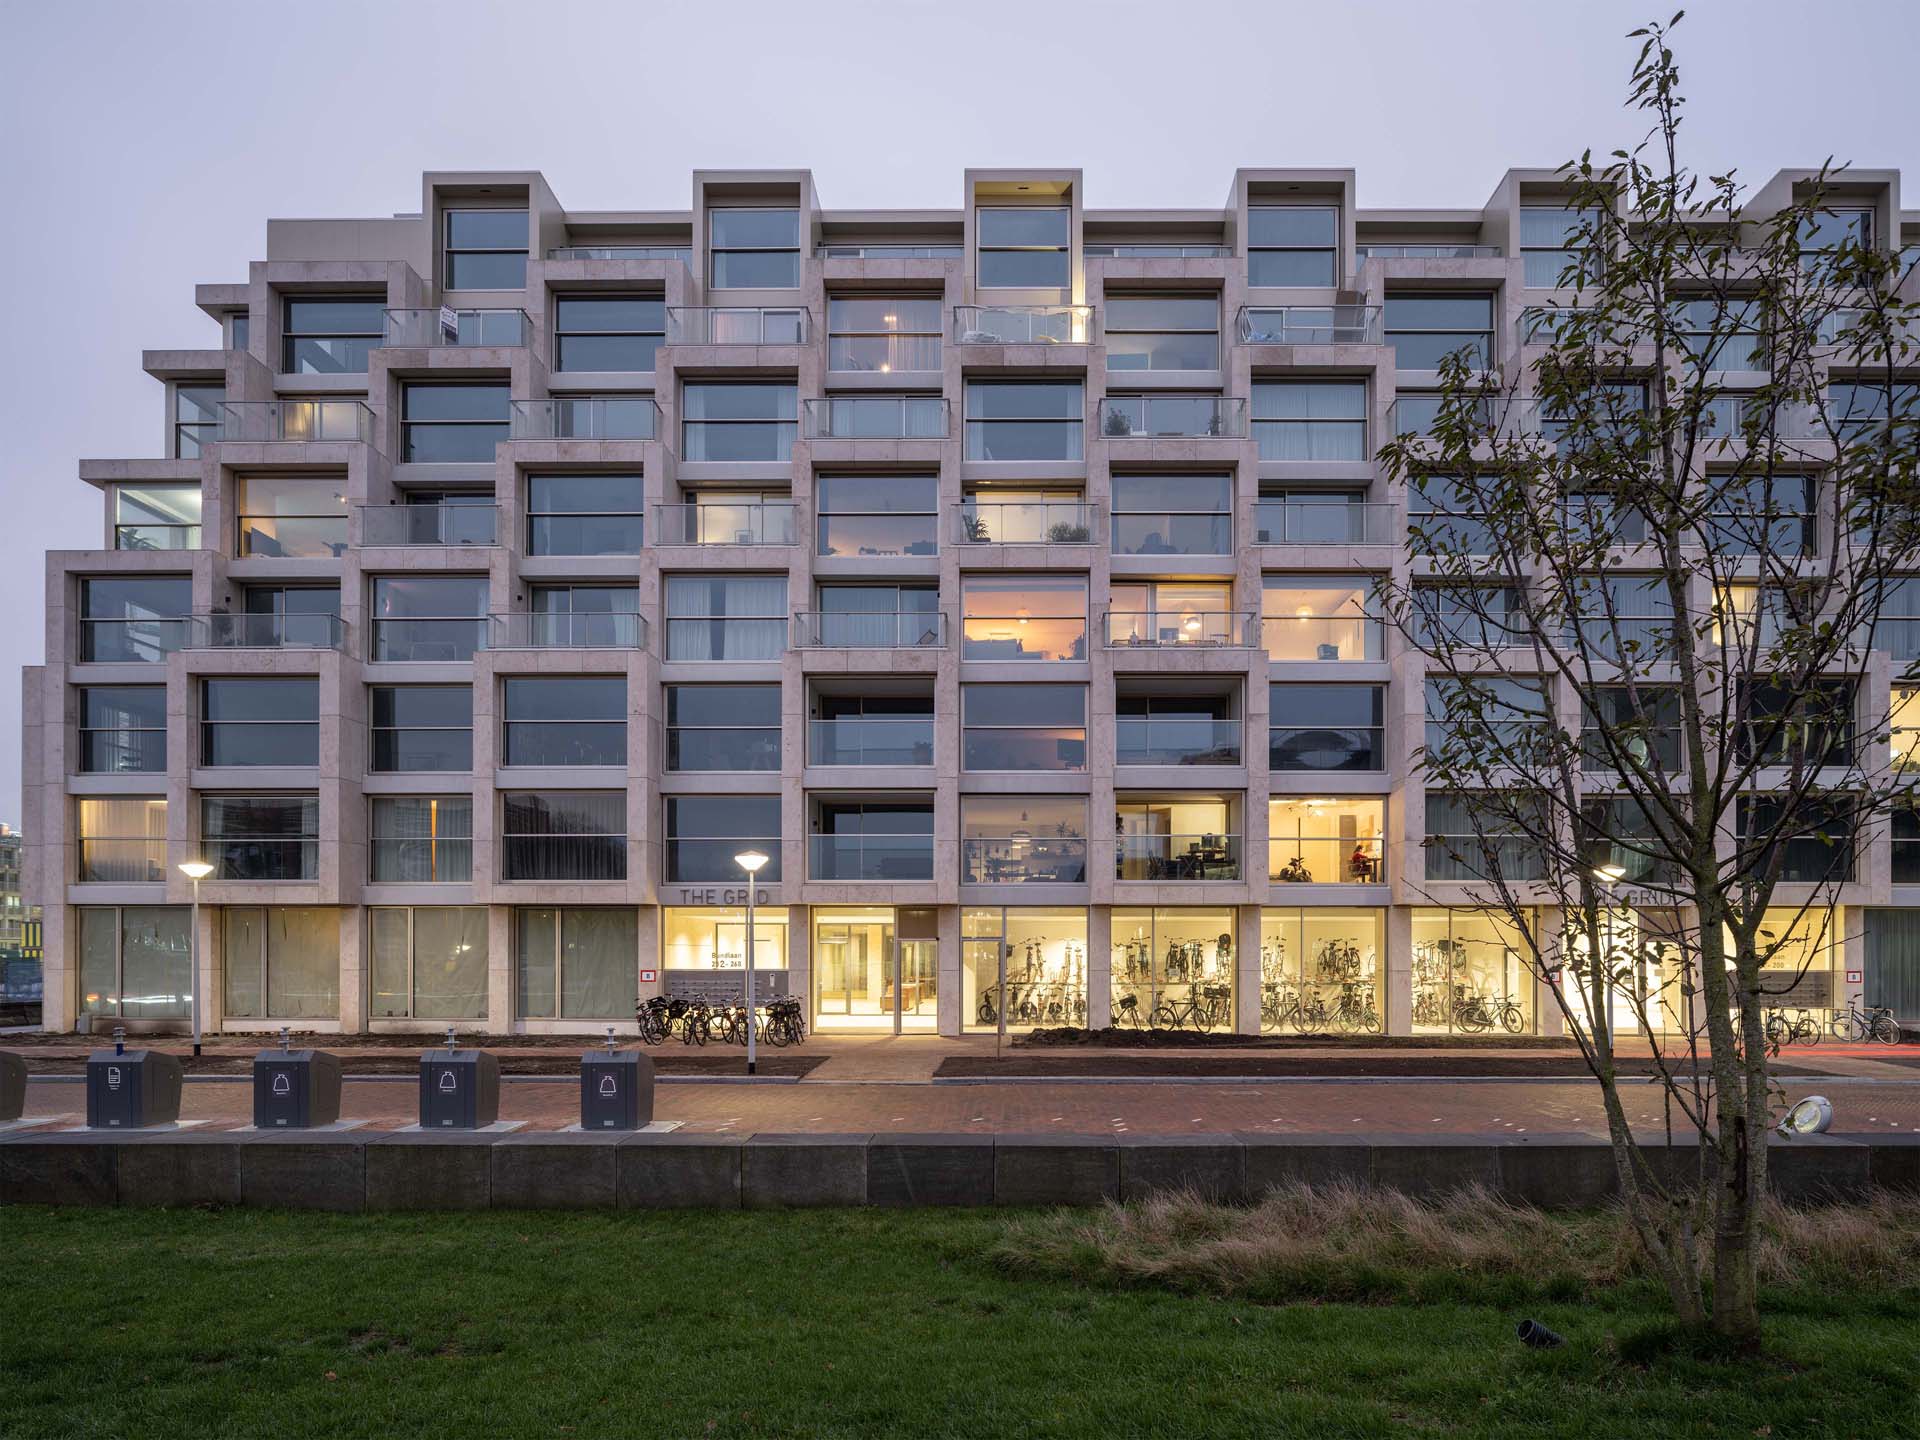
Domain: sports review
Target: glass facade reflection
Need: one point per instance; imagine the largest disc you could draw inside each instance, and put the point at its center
(1321, 971)
(1022, 965)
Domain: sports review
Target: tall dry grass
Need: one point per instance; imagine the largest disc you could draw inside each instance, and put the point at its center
(1346, 1242)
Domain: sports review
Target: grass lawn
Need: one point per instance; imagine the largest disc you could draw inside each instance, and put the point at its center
(835, 1323)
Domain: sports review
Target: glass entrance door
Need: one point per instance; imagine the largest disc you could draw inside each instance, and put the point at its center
(868, 978)
(918, 985)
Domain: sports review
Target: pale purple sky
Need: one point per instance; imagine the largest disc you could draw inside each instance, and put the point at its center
(143, 146)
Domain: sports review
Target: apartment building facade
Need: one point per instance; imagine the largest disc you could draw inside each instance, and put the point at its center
(1007, 574)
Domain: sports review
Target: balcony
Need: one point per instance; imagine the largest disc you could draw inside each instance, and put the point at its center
(870, 857)
(1329, 522)
(291, 537)
(427, 639)
(1728, 416)
(1309, 749)
(736, 325)
(1178, 629)
(1156, 252)
(444, 326)
(155, 535)
(1288, 638)
(1309, 325)
(1171, 532)
(869, 630)
(889, 252)
(145, 640)
(1426, 252)
(682, 253)
(727, 522)
(1172, 417)
(296, 421)
(1023, 859)
(871, 740)
(1158, 858)
(266, 632)
(596, 630)
(1025, 522)
(1175, 740)
(883, 354)
(1325, 860)
(597, 417)
(408, 525)
(1022, 324)
(877, 417)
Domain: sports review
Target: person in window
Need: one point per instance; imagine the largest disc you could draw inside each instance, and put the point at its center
(1361, 863)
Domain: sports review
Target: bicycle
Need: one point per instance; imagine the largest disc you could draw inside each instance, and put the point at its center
(1204, 1008)
(1873, 1024)
(652, 1016)
(1790, 1027)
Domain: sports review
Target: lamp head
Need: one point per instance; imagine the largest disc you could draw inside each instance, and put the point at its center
(750, 861)
(195, 869)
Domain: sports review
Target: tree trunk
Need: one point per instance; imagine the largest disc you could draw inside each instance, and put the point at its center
(1742, 1181)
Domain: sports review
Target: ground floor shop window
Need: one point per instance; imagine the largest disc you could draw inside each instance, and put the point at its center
(283, 962)
(576, 964)
(1800, 954)
(1173, 968)
(1472, 974)
(1321, 970)
(428, 962)
(716, 938)
(873, 965)
(1024, 964)
(1642, 971)
(135, 962)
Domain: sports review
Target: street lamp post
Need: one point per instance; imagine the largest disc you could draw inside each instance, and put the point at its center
(750, 861)
(196, 871)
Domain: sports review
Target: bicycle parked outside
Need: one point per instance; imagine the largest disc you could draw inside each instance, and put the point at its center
(1876, 1023)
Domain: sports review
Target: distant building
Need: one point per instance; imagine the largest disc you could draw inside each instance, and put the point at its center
(19, 925)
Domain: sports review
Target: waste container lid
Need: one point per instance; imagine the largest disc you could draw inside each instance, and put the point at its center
(284, 1055)
(439, 1057)
(107, 1057)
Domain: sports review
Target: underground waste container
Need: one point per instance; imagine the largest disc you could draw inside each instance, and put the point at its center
(13, 1086)
(616, 1090)
(459, 1090)
(295, 1089)
(132, 1089)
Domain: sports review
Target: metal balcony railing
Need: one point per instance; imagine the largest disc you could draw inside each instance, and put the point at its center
(267, 632)
(1023, 859)
(1323, 637)
(870, 857)
(1308, 325)
(871, 740)
(1157, 417)
(1307, 748)
(596, 630)
(303, 421)
(1022, 324)
(736, 325)
(425, 639)
(157, 536)
(1156, 252)
(1176, 857)
(1171, 532)
(877, 417)
(726, 522)
(429, 524)
(869, 630)
(1178, 629)
(1426, 252)
(1325, 860)
(1025, 522)
(1328, 522)
(585, 417)
(682, 253)
(889, 252)
(1175, 740)
(447, 326)
(145, 640)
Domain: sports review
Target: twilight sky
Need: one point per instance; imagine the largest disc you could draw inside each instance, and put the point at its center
(144, 146)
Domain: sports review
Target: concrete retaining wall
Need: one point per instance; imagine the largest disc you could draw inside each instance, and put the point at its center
(350, 1171)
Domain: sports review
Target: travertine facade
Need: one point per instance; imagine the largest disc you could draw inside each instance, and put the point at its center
(1200, 487)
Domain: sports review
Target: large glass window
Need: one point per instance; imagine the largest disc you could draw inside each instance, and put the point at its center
(1326, 727)
(871, 840)
(261, 837)
(121, 840)
(1022, 966)
(1425, 329)
(878, 515)
(260, 721)
(588, 514)
(135, 962)
(705, 832)
(1860, 412)
(564, 835)
(156, 517)
(872, 964)
(1163, 332)
(294, 517)
(1721, 333)
(1327, 841)
(1471, 836)
(1173, 968)
(1551, 240)
(1293, 245)
(486, 249)
(1033, 420)
(331, 336)
(1644, 722)
(1321, 970)
(739, 421)
(1177, 837)
(1023, 727)
(1319, 617)
(607, 332)
(583, 617)
(754, 249)
(1470, 973)
(716, 939)
(296, 615)
(1024, 617)
(726, 617)
(1809, 842)
(282, 962)
(1023, 839)
(421, 728)
(133, 618)
(576, 964)
(198, 411)
(883, 334)
(1176, 729)
(1172, 613)
(870, 729)
(427, 962)
(452, 424)
(1310, 419)
(1024, 247)
(1163, 514)
(123, 729)
(723, 727)
(564, 720)
(422, 839)
(428, 617)
(883, 616)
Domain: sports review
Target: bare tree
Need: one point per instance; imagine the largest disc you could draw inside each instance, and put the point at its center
(1654, 565)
